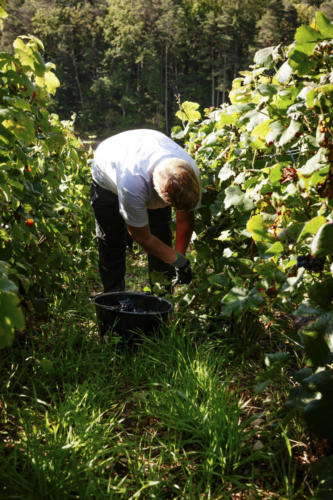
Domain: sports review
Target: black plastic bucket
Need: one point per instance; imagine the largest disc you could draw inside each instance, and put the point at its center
(125, 312)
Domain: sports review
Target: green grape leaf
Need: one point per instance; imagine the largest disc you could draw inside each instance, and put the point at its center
(24, 128)
(315, 345)
(189, 112)
(234, 196)
(51, 82)
(17, 102)
(228, 118)
(290, 132)
(285, 73)
(6, 135)
(275, 249)
(254, 118)
(264, 57)
(305, 34)
(261, 130)
(239, 300)
(322, 243)
(256, 228)
(275, 174)
(321, 293)
(11, 316)
(24, 53)
(315, 163)
(300, 62)
(218, 279)
(324, 25)
(3, 13)
(310, 98)
(267, 89)
(225, 173)
(210, 140)
(276, 129)
(311, 227)
(7, 286)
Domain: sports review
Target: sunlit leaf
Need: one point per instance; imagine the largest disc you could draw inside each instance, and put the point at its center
(299, 59)
(228, 118)
(311, 227)
(289, 134)
(275, 249)
(256, 228)
(264, 57)
(323, 241)
(284, 74)
(324, 25)
(315, 163)
(305, 34)
(275, 174)
(234, 196)
(51, 82)
(189, 112)
(268, 89)
(261, 130)
(225, 173)
(276, 129)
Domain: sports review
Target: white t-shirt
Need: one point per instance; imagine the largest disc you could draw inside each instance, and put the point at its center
(124, 164)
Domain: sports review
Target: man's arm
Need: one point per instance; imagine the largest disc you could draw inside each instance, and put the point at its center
(156, 247)
(151, 244)
(184, 230)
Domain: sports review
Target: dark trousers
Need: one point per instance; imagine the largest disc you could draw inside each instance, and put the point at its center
(113, 238)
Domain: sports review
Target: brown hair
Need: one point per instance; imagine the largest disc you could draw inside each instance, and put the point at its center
(177, 184)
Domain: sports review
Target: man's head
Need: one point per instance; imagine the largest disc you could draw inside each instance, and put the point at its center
(176, 183)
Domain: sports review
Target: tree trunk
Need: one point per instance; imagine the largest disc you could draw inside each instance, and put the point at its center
(212, 78)
(166, 83)
(138, 77)
(224, 77)
(176, 79)
(76, 76)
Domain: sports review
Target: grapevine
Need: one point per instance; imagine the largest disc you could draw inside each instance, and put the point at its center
(267, 168)
(43, 192)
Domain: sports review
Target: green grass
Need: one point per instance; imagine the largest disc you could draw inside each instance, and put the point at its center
(174, 416)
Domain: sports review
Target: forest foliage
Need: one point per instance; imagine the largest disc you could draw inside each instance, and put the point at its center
(123, 63)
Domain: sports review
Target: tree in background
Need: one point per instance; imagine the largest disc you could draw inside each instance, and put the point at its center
(220, 33)
(144, 41)
(169, 34)
(18, 22)
(306, 9)
(277, 25)
(72, 35)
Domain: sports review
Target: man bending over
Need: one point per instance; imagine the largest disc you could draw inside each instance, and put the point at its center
(137, 176)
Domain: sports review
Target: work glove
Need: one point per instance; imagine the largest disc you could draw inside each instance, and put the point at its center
(183, 271)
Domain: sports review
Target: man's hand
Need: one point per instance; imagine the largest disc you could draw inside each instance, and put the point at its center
(183, 274)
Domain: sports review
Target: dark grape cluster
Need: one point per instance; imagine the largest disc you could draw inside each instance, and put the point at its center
(315, 264)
